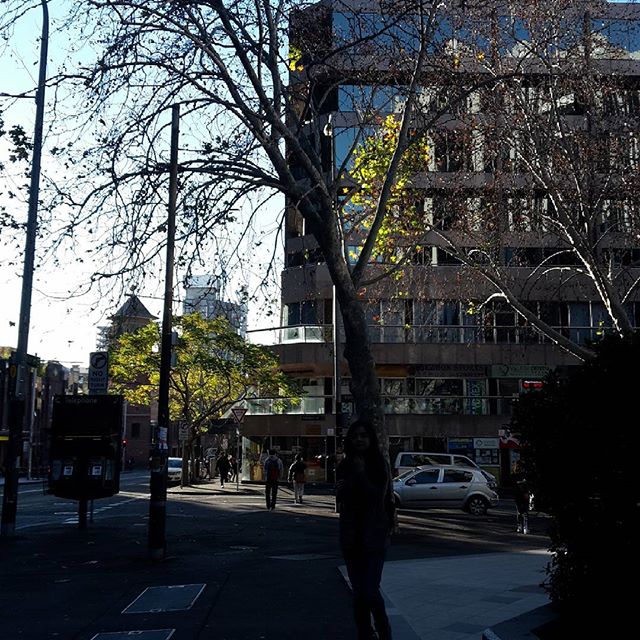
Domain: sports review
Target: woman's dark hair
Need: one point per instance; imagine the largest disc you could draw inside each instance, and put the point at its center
(371, 432)
(374, 460)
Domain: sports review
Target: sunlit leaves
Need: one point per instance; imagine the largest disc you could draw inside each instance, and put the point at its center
(214, 369)
(372, 159)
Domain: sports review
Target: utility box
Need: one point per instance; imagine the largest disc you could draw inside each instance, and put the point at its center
(86, 440)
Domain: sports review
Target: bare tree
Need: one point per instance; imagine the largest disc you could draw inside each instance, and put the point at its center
(531, 177)
(560, 140)
(249, 129)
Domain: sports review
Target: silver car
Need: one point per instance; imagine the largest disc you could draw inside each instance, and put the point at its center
(174, 470)
(445, 486)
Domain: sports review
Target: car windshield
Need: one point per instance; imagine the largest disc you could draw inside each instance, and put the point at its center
(487, 476)
(404, 474)
(175, 462)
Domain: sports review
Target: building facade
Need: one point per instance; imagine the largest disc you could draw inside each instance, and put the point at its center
(204, 295)
(450, 355)
(139, 421)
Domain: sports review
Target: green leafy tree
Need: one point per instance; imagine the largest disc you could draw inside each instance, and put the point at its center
(214, 369)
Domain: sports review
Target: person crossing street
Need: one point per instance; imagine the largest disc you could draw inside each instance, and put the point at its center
(272, 472)
(297, 476)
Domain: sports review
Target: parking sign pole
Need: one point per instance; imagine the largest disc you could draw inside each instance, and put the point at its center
(17, 399)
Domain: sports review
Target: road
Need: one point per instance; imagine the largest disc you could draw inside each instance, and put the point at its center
(265, 574)
(441, 531)
(36, 508)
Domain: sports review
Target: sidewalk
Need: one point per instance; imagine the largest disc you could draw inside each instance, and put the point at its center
(459, 598)
(241, 573)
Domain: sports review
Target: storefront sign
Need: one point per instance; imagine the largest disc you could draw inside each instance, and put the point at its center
(450, 371)
(460, 445)
(529, 371)
(486, 443)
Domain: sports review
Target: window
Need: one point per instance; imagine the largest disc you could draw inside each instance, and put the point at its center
(451, 151)
(457, 475)
(579, 322)
(413, 460)
(345, 139)
(367, 98)
(394, 395)
(616, 215)
(427, 477)
(393, 320)
(623, 35)
(302, 313)
(440, 396)
(461, 461)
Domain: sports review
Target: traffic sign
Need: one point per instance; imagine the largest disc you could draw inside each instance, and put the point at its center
(238, 414)
(98, 371)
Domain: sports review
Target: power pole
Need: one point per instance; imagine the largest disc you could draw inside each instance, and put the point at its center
(18, 391)
(160, 449)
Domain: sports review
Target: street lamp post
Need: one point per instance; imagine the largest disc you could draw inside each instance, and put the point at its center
(17, 403)
(328, 132)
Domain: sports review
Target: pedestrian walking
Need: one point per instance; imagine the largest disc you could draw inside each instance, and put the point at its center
(233, 468)
(365, 503)
(272, 473)
(223, 466)
(298, 477)
(522, 497)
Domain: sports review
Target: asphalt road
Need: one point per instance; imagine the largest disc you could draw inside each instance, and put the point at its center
(264, 575)
(441, 531)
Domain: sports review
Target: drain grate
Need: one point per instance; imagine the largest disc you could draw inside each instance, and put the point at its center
(147, 634)
(168, 598)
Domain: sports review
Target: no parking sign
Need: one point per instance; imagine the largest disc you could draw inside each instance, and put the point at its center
(98, 371)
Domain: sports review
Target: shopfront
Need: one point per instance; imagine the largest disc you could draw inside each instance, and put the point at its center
(314, 451)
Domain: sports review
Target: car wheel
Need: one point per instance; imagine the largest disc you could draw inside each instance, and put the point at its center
(477, 506)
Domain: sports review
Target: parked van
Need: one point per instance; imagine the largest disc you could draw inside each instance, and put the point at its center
(407, 460)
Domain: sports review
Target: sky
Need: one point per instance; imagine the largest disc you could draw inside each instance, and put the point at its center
(61, 328)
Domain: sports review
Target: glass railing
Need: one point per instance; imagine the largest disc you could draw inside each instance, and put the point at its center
(401, 405)
(426, 334)
(310, 405)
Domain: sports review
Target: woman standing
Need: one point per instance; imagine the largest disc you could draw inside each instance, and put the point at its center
(365, 503)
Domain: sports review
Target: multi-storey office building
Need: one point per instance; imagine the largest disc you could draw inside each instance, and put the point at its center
(203, 294)
(449, 358)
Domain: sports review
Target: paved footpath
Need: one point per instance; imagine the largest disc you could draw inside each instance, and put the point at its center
(235, 571)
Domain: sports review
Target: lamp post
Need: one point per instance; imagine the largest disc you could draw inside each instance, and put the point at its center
(17, 402)
(335, 315)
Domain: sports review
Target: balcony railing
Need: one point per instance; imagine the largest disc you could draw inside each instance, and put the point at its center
(426, 334)
(393, 405)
